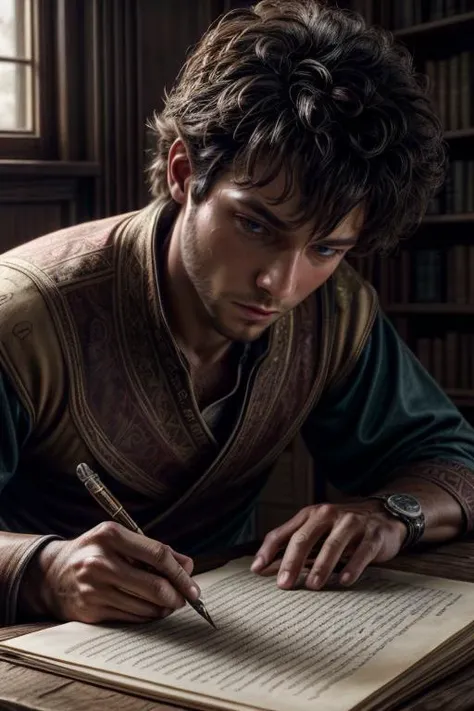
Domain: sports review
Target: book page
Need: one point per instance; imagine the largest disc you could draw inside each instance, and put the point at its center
(274, 649)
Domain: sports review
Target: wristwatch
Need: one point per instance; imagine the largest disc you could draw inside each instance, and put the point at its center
(408, 509)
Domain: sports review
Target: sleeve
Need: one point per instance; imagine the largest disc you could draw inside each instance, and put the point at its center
(16, 549)
(389, 418)
(14, 431)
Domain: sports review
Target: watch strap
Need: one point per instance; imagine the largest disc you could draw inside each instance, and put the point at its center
(415, 526)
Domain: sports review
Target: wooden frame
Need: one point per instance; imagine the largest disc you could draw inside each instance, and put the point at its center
(38, 143)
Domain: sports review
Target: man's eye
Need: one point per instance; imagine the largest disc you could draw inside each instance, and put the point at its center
(322, 250)
(251, 226)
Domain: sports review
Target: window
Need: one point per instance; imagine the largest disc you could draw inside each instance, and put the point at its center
(17, 80)
(28, 119)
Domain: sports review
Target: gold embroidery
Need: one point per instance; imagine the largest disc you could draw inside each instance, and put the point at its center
(128, 403)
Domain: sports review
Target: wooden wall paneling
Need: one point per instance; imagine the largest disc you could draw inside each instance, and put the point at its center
(37, 197)
(72, 105)
(99, 92)
(116, 117)
(28, 210)
(46, 24)
(168, 30)
(20, 223)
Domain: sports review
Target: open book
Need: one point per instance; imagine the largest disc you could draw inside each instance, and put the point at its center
(367, 647)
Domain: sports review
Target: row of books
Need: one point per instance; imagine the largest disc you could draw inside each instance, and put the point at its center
(450, 360)
(422, 275)
(397, 14)
(451, 83)
(457, 193)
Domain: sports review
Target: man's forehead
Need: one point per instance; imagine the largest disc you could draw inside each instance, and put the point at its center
(267, 202)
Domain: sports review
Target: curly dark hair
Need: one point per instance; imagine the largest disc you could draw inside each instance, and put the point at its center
(313, 90)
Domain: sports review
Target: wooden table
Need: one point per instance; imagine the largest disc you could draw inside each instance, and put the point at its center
(23, 689)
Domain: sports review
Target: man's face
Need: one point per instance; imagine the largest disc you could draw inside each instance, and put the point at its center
(247, 264)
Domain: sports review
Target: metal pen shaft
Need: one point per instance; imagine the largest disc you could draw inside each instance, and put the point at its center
(116, 511)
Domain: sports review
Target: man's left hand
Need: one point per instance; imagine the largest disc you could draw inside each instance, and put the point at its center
(360, 532)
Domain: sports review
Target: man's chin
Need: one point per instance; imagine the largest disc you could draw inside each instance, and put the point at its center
(244, 333)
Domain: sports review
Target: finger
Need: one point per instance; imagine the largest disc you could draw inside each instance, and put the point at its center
(111, 614)
(166, 612)
(335, 545)
(365, 553)
(299, 548)
(271, 569)
(158, 555)
(146, 585)
(100, 572)
(184, 560)
(130, 617)
(121, 599)
(274, 540)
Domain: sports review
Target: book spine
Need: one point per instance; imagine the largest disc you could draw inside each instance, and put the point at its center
(454, 121)
(438, 357)
(470, 271)
(465, 93)
(427, 276)
(452, 368)
(424, 353)
(459, 275)
(465, 380)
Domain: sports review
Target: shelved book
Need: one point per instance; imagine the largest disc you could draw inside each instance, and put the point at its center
(422, 275)
(358, 649)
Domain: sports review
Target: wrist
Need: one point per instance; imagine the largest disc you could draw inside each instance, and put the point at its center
(35, 594)
(406, 509)
(398, 527)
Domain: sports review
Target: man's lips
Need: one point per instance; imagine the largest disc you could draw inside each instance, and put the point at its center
(256, 311)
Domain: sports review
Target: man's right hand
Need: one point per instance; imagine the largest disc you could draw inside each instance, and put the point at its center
(100, 576)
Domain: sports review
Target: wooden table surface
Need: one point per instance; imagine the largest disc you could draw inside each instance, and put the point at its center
(23, 689)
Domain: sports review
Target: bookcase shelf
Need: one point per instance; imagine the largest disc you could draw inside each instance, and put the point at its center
(421, 309)
(425, 35)
(462, 398)
(461, 217)
(459, 134)
(426, 286)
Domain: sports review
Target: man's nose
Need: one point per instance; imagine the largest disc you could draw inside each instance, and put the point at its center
(280, 278)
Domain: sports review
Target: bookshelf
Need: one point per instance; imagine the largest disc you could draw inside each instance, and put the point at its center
(433, 314)
(448, 219)
(426, 286)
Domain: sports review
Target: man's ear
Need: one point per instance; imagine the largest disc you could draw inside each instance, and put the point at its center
(179, 171)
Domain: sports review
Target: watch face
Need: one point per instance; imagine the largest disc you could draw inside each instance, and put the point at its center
(405, 504)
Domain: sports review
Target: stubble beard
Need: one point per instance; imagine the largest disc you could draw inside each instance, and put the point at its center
(195, 268)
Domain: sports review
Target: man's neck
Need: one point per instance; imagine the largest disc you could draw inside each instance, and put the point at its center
(191, 328)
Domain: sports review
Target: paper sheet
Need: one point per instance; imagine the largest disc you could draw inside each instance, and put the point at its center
(275, 649)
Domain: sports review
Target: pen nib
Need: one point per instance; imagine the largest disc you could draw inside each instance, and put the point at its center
(200, 607)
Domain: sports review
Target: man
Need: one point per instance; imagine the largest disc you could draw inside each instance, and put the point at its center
(177, 350)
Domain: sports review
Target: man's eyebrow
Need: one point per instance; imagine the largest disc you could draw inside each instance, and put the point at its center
(262, 211)
(337, 241)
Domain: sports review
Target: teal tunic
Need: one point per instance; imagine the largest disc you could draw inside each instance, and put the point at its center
(387, 413)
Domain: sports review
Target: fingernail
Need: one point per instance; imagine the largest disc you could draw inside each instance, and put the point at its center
(313, 581)
(345, 579)
(257, 564)
(301, 580)
(194, 593)
(283, 577)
